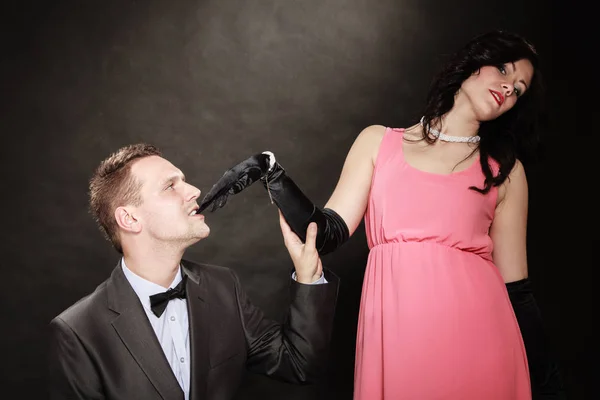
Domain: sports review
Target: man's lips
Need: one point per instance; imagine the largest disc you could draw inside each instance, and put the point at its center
(200, 216)
(497, 96)
(195, 212)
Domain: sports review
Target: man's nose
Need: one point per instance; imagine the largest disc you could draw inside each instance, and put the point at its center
(194, 192)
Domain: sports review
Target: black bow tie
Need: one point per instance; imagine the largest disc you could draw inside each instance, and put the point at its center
(159, 301)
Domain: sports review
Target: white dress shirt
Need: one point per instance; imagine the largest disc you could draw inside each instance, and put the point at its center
(172, 327)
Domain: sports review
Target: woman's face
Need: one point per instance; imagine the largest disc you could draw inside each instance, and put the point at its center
(492, 90)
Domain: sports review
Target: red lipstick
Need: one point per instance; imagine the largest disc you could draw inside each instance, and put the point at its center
(497, 96)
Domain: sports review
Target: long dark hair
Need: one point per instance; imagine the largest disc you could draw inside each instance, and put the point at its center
(515, 134)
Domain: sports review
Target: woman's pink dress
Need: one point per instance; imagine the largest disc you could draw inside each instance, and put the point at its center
(435, 318)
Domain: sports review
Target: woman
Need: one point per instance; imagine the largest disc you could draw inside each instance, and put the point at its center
(445, 209)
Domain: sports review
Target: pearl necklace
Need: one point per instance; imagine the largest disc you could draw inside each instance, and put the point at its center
(456, 139)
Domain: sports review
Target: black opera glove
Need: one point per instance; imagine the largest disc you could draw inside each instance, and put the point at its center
(236, 179)
(299, 211)
(296, 208)
(546, 379)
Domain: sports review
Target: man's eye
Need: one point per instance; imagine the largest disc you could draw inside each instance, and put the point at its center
(170, 187)
(517, 92)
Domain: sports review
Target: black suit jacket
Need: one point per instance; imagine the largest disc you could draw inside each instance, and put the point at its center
(103, 347)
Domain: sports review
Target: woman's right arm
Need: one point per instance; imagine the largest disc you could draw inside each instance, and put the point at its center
(350, 196)
(342, 213)
(346, 207)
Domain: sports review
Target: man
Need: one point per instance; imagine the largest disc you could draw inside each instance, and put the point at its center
(133, 339)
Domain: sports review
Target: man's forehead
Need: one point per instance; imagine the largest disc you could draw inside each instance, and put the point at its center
(154, 168)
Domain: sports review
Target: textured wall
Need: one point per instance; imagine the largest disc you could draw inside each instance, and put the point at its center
(211, 83)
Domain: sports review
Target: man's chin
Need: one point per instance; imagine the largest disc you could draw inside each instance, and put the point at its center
(204, 233)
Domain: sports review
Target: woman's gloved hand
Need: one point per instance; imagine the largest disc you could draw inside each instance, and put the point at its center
(297, 209)
(236, 179)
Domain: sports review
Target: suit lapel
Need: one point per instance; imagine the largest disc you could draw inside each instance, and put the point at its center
(135, 331)
(198, 310)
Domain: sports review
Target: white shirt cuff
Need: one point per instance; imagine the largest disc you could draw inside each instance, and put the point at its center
(319, 281)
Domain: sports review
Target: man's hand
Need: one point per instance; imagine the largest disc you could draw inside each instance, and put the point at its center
(304, 255)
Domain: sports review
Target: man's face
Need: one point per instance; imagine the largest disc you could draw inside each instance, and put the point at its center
(167, 212)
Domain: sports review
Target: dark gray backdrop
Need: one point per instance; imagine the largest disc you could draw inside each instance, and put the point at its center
(213, 82)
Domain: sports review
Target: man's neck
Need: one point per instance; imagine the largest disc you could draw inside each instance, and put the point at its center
(154, 266)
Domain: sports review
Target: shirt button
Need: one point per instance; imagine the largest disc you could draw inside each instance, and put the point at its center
(182, 359)
(172, 318)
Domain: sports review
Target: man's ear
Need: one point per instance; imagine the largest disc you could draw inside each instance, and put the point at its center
(126, 219)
